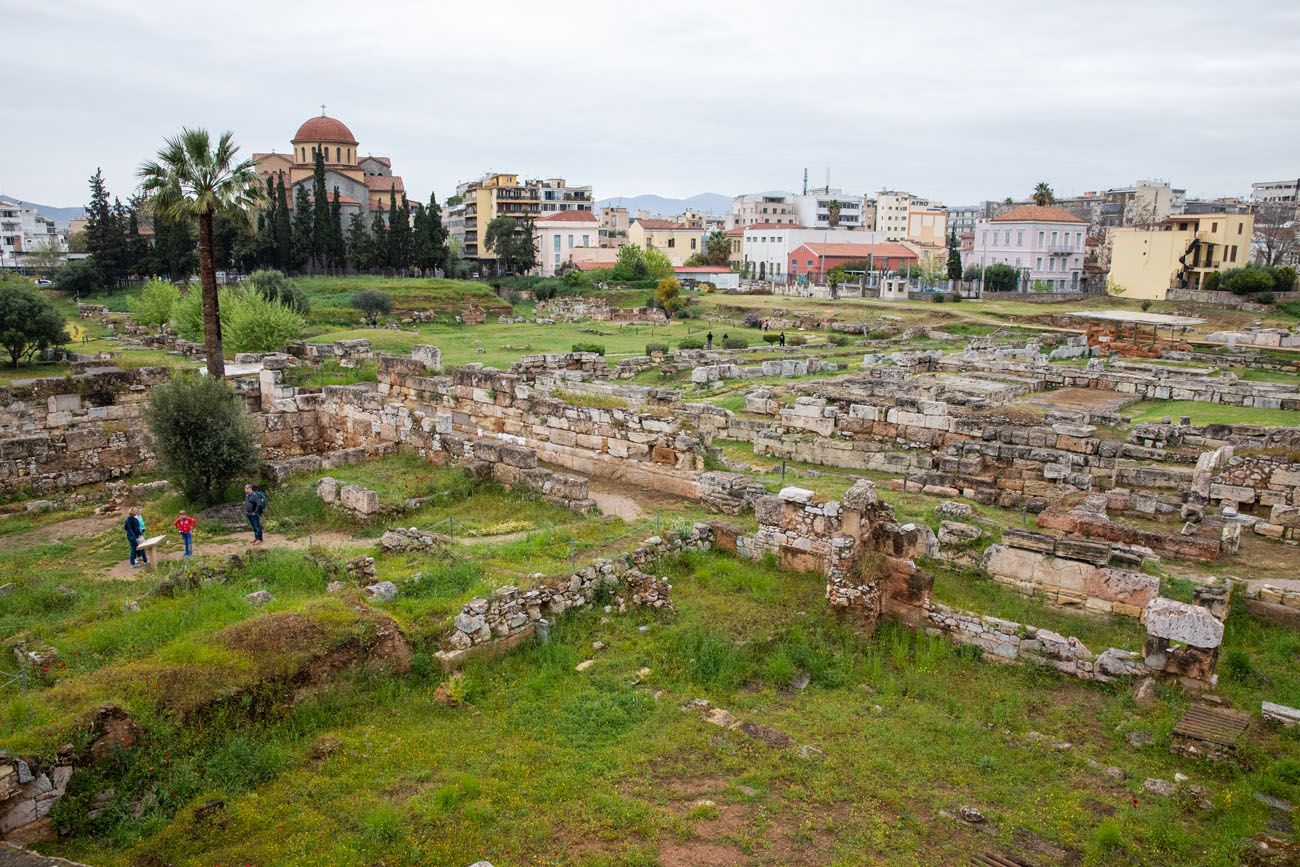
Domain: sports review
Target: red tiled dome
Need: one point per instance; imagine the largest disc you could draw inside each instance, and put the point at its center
(324, 128)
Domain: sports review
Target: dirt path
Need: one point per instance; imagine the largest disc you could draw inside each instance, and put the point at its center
(615, 503)
(172, 550)
(89, 526)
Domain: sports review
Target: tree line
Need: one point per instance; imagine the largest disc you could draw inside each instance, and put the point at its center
(310, 237)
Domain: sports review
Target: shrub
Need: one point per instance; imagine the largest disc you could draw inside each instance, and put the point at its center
(153, 306)
(274, 286)
(735, 343)
(630, 265)
(80, 277)
(1145, 305)
(1249, 280)
(658, 265)
(1000, 278)
(202, 436)
(29, 321)
(1264, 298)
(249, 322)
(752, 320)
(769, 337)
(669, 295)
(956, 297)
(656, 349)
(940, 298)
(1210, 282)
(372, 303)
(597, 348)
(1291, 308)
(796, 340)
(690, 343)
(1284, 278)
(838, 339)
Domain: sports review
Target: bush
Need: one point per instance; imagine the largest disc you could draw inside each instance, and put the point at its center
(690, 343)
(1250, 280)
(630, 264)
(372, 303)
(838, 339)
(658, 265)
(669, 295)
(796, 340)
(1145, 305)
(202, 435)
(1264, 298)
(752, 320)
(153, 306)
(1210, 282)
(597, 348)
(249, 322)
(29, 321)
(274, 286)
(1284, 278)
(80, 277)
(940, 298)
(956, 297)
(735, 343)
(656, 349)
(769, 337)
(1000, 278)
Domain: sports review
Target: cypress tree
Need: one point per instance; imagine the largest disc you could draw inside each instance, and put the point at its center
(337, 248)
(283, 231)
(360, 246)
(394, 237)
(379, 238)
(437, 234)
(302, 229)
(320, 212)
(422, 252)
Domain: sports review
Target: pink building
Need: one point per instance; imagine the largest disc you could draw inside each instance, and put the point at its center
(1045, 243)
(559, 234)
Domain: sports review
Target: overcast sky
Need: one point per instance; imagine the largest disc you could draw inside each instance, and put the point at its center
(961, 101)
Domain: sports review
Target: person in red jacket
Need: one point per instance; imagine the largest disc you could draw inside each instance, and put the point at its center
(185, 526)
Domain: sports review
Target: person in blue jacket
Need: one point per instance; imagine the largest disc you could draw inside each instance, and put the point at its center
(134, 527)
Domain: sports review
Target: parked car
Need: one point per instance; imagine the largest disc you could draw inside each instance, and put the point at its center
(44, 281)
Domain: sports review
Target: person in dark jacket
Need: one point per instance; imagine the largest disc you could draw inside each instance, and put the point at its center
(134, 527)
(253, 506)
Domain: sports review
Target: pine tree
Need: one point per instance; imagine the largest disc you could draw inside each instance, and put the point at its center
(106, 228)
(379, 238)
(361, 250)
(320, 212)
(302, 245)
(282, 230)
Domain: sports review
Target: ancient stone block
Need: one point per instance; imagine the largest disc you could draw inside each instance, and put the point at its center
(1178, 621)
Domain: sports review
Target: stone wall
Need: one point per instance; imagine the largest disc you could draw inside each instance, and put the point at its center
(1200, 538)
(574, 308)
(1070, 572)
(65, 432)
(511, 616)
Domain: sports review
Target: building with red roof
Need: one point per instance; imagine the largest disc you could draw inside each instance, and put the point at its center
(1046, 244)
(364, 184)
(813, 260)
(560, 234)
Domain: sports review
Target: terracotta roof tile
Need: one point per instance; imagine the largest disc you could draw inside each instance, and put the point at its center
(1037, 214)
(383, 183)
(324, 129)
(860, 250)
(568, 217)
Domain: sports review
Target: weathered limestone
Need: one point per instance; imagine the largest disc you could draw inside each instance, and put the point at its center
(1186, 624)
(1069, 572)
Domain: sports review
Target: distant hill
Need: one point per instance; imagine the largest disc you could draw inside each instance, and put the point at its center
(60, 216)
(710, 203)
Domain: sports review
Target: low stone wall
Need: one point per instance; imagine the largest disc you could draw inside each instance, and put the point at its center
(573, 365)
(1069, 572)
(511, 616)
(362, 502)
(1198, 540)
(1219, 299)
(516, 466)
(576, 308)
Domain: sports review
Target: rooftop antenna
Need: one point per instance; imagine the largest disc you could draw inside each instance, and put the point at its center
(828, 179)
(805, 181)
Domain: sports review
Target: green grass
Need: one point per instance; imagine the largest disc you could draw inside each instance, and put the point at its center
(545, 765)
(1211, 413)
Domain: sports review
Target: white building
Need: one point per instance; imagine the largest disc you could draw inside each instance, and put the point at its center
(1285, 193)
(767, 247)
(827, 209)
(559, 233)
(23, 231)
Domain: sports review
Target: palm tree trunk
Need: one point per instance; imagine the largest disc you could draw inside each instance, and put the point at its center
(211, 312)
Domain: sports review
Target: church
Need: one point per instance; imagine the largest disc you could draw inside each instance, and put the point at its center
(364, 182)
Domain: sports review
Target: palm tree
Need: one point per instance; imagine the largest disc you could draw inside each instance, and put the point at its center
(189, 180)
(833, 213)
(1043, 194)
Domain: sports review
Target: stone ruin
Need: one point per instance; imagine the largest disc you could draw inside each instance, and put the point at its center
(575, 308)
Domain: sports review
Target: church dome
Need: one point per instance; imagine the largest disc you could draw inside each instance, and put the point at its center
(323, 129)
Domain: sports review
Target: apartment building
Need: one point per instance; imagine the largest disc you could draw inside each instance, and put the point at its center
(754, 208)
(1045, 243)
(962, 218)
(894, 212)
(23, 231)
(828, 209)
(1285, 193)
(1146, 263)
(477, 203)
(614, 223)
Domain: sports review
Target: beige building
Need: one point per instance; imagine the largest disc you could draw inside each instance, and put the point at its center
(893, 216)
(677, 241)
(1147, 263)
(477, 203)
(761, 208)
(614, 223)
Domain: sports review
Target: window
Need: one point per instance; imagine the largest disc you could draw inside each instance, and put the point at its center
(672, 242)
(570, 242)
(1051, 264)
(338, 155)
(1214, 227)
(586, 240)
(692, 243)
(1020, 239)
(1039, 266)
(1041, 236)
(557, 243)
(1053, 239)
(1239, 226)
(1007, 238)
(810, 263)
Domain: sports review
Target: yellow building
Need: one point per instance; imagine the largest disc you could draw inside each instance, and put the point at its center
(501, 194)
(1146, 264)
(677, 241)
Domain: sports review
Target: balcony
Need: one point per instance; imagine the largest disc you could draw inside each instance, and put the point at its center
(1062, 249)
